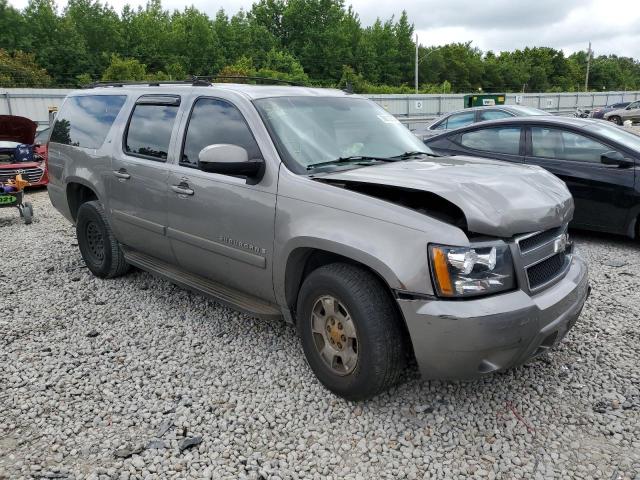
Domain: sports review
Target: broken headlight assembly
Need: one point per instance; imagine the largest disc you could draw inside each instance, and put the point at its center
(471, 271)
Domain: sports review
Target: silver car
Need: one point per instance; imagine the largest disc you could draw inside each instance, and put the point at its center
(319, 207)
(467, 116)
(630, 112)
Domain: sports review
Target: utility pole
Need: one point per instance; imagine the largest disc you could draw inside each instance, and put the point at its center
(586, 79)
(416, 74)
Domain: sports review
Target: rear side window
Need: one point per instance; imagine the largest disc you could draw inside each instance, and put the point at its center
(216, 121)
(460, 120)
(498, 140)
(149, 130)
(494, 115)
(85, 121)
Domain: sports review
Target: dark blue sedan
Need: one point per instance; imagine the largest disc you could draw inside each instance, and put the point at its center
(599, 162)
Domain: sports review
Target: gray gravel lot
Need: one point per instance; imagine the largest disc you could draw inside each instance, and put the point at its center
(110, 379)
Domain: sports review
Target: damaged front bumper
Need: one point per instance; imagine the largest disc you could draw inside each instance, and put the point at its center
(456, 339)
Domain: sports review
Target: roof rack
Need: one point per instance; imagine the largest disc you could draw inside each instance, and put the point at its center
(196, 81)
(209, 78)
(154, 83)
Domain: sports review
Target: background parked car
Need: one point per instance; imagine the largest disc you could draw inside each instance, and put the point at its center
(630, 112)
(18, 154)
(40, 144)
(462, 118)
(598, 112)
(598, 162)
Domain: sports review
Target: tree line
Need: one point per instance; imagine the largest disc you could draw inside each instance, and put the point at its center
(315, 42)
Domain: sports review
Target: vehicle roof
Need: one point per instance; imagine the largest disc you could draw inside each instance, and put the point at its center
(550, 119)
(250, 91)
(533, 119)
(491, 107)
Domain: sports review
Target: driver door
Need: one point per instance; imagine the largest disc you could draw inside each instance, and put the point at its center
(220, 226)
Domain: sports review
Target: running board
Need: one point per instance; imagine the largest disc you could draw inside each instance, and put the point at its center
(220, 293)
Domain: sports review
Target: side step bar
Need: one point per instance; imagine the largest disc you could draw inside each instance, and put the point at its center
(220, 293)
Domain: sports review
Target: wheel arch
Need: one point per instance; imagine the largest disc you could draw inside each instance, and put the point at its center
(77, 193)
(304, 260)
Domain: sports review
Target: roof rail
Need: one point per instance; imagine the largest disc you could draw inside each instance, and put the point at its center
(153, 83)
(196, 81)
(210, 78)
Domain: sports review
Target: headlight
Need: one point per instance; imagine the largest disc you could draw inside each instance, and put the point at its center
(467, 272)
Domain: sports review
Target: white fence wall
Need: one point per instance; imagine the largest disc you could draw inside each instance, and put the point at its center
(34, 103)
(412, 109)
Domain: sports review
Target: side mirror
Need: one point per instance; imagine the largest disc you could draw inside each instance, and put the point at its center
(228, 160)
(615, 158)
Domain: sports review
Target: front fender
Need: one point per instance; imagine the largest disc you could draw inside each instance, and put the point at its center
(396, 253)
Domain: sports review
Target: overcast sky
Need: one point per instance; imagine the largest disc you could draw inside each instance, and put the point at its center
(613, 26)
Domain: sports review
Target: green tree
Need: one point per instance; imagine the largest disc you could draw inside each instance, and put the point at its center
(19, 69)
(124, 69)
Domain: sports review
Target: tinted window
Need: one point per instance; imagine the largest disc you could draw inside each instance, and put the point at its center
(563, 145)
(499, 140)
(149, 130)
(85, 121)
(441, 126)
(634, 105)
(460, 120)
(494, 115)
(216, 121)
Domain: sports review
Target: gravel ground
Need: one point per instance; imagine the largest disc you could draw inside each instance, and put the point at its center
(123, 378)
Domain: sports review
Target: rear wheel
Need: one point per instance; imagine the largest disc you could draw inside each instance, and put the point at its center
(350, 331)
(616, 119)
(99, 248)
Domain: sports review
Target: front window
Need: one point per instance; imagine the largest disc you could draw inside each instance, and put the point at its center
(310, 130)
(564, 145)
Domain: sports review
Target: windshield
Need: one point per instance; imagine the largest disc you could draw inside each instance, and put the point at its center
(615, 134)
(312, 130)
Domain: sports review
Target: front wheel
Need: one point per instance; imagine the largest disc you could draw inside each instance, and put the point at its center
(350, 330)
(615, 119)
(99, 248)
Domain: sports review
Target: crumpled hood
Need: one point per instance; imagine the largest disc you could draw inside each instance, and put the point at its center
(498, 198)
(17, 129)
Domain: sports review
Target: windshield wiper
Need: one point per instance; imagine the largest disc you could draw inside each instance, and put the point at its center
(352, 158)
(405, 155)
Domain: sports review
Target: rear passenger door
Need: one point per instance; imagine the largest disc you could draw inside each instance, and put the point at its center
(138, 177)
(602, 193)
(220, 226)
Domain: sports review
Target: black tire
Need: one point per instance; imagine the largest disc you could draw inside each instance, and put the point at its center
(616, 119)
(27, 213)
(99, 248)
(380, 342)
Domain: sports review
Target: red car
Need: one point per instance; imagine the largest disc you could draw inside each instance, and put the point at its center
(20, 152)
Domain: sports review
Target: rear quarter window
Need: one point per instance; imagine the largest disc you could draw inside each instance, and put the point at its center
(85, 121)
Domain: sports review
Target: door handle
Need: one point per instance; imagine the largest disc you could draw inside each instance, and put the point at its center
(182, 189)
(122, 173)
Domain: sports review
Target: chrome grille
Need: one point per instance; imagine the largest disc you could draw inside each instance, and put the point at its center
(533, 241)
(544, 257)
(32, 175)
(546, 270)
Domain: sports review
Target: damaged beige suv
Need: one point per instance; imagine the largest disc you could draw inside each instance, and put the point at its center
(318, 206)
